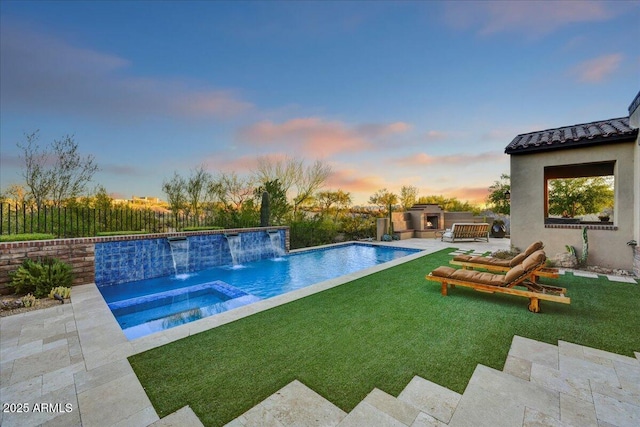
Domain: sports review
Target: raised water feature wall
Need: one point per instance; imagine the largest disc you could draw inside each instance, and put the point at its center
(80, 253)
(139, 259)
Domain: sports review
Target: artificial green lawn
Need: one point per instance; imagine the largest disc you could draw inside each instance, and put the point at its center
(377, 331)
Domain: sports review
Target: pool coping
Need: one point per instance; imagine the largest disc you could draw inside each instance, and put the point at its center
(90, 370)
(173, 334)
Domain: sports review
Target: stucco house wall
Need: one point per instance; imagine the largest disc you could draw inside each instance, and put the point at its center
(607, 244)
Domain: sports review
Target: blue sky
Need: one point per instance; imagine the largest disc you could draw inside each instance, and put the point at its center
(426, 94)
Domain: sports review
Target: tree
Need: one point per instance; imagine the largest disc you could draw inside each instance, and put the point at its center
(579, 196)
(450, 204)
(333, 200)
(70, 173)
(408, 196)
(16, 194)
(294, 176)
(174, 189)
(383, 198)
(311, 179)
(497, 199)
(57, 172)
(196, 189)
(233, 190)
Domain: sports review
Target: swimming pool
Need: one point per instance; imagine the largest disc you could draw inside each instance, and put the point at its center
(148, 306)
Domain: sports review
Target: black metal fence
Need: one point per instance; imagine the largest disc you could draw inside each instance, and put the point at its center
(86, 222)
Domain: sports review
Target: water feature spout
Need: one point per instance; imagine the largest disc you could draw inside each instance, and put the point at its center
(235, 246)
(179, 254)
(276, 243)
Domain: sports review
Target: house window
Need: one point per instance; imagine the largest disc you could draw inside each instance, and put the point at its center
(580, 194)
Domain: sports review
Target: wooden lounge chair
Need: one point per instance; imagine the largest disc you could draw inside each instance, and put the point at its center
(517, 276)
(502, 265)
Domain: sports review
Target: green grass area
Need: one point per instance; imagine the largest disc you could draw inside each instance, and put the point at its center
(202, 228)
(25, 237)
(377, 331)
(120, 233)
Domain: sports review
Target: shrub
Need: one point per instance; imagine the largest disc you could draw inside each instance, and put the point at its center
(27, 236)
(28, 300)
(63, 291)
(39, 277)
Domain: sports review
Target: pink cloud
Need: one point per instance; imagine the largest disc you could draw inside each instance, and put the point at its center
(423, 159)
(350, 180)
(474, 195)
(315, 137)
(533, 18)
(597, 69)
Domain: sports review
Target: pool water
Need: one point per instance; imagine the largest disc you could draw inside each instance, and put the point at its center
(148, 306)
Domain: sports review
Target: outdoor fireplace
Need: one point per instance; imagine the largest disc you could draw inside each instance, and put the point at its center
(431, 221)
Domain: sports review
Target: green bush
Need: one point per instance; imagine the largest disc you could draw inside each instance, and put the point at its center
(39, 277)
(312, 232)
(24, 237)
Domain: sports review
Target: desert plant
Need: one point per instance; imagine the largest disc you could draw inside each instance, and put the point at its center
(264, 210)
(39, 277)
(63, 291)
(585, 247)
(28, 300)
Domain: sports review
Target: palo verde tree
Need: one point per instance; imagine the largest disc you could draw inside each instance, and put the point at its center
(57, 172)
(497, 199)
(175, 190)
(196, 189)
(449, 204)
(384, 199)
(299, 180)
(408, 196)
(333, 201)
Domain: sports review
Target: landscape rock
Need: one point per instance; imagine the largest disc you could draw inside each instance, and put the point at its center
(565, 260)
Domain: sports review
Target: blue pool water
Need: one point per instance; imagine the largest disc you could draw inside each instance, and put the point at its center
(152, 305)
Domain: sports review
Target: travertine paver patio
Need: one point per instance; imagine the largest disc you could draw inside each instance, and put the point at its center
(67, 366)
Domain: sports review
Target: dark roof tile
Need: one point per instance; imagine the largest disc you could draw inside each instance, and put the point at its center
(601, 132)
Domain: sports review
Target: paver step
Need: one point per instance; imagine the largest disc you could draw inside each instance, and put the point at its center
(494, 398)
(182, 417)
(430, 398)
(368, 415)
(564, 385)
(293, 405)
(396, 408)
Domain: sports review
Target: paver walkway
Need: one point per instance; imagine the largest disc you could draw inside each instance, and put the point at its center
(67, 366)
(541, 385)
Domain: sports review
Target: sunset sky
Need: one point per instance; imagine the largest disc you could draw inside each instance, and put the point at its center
(426, 94)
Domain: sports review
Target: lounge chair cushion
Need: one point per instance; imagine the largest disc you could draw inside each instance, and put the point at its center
(535, 246)
(479, 277)
(517, 259)
(443, 271)
(514, 274)
(534, 260)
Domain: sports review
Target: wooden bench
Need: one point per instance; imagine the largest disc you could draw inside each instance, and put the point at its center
(467, 231)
